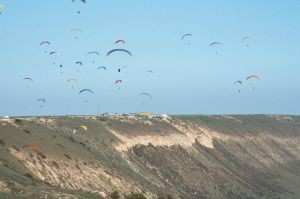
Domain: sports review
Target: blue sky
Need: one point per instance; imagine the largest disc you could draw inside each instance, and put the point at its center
(188, 78)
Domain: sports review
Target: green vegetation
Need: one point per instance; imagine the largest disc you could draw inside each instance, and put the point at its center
(115, 195)
(135, 196)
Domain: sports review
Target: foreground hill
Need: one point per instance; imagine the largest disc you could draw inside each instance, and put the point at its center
(217, 157)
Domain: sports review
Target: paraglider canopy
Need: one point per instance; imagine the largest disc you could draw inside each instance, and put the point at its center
(246, 38)
(149, 71)
(146, 94)
(73, 80)
(120, 41)
(255, 77)
(1, 7)
(34, 147)
(93, 52)
(53, 52)
(80, 127)
(28, 79)
(79, 62)
(238, 82)
(45, 42)
(42, 100)
(118, 81)
(118, 50)
(186, 35)
(102, 67)
(76, 30)
(83, 1)
(86, 91)
(145, 114)
(215, 43)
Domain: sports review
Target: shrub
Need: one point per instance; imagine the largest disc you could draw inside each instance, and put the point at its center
(135, 196)
(102, 119)
(2, 143)
(18, 121)
(28, 175)
(165, 196)
(55, 165)
(115, 195)
(67, 156)
(27, 131)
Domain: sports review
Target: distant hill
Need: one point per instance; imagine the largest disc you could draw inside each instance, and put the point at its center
(187, 157)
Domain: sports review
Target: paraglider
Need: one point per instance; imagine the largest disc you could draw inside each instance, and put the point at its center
(118, 82)
(186, 36)
(34, 147)
(76, 30)
(119, 50)
(27, 79)
(149, 96)
(246, 39)
(238, 82)
(80, 127)
(83, 1)
(88, 91)
(120, 41)
(216, 43)
(253, 77)
(73, 80)
(102, 67)
(93, 53)
(149, 71)
(79, 63)
(41, 101)
(45, 42)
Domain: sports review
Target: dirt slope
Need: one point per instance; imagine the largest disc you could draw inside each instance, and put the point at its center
(187, 156)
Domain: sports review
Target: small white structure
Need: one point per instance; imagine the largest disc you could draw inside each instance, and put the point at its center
(166, 117)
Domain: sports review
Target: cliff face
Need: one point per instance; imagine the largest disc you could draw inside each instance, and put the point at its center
(187, 156)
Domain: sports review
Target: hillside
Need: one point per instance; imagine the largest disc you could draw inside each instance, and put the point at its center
(195, 157)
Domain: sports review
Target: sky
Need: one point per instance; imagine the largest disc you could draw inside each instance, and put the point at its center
(189, 76)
